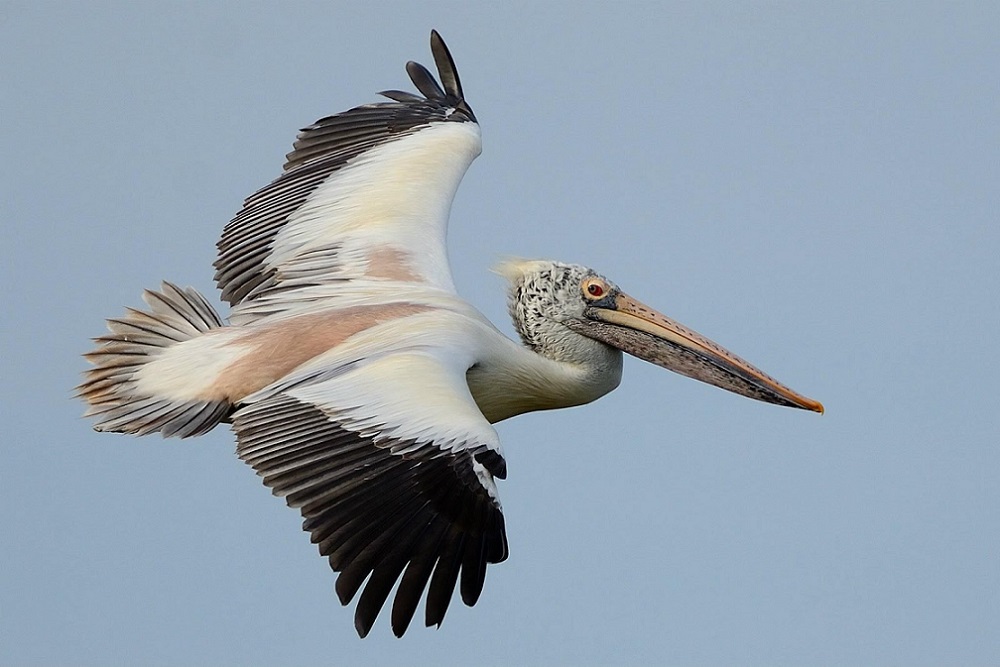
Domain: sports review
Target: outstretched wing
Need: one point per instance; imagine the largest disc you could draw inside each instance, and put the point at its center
(392, 465)
(364, 195)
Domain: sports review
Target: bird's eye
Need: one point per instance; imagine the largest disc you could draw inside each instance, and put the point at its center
(595, 289)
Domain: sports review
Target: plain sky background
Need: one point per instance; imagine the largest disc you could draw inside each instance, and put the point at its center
(814, 185)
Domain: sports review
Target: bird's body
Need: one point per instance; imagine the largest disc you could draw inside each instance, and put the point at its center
(358, 383)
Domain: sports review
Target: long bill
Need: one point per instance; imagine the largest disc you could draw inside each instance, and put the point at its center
(633, 327)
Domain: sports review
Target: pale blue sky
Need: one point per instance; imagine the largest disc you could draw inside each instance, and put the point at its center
(814, 185)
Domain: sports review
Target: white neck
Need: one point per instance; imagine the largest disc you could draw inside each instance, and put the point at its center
(520, 380)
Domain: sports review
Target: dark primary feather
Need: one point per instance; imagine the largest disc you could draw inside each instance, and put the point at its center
(378, 516)
(446, 66)
(318, 153)
(424, 81)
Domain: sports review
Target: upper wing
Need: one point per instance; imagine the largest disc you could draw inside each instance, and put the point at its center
(365, 194)
(392, 465)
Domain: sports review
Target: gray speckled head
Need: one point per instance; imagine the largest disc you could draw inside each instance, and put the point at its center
(543, 297)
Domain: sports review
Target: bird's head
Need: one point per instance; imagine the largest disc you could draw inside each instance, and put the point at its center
(559, 309)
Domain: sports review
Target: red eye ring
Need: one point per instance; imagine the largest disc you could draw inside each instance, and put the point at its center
(594, 289)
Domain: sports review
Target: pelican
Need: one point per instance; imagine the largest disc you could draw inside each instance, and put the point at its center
(359, 385)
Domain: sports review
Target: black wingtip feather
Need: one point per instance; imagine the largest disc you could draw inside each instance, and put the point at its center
(473, 571)
(446, 66)
(414, 581)
(376, 593)
(386, 573)
(424, 81)
(444, 579)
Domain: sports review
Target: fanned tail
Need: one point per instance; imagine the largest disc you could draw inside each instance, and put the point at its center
(176, 315)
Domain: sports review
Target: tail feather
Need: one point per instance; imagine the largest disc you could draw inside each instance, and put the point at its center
(175, 315)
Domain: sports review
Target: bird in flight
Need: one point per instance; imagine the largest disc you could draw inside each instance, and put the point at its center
(360, 386)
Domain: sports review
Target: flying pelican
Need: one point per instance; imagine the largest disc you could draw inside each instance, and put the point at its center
(359, 385)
